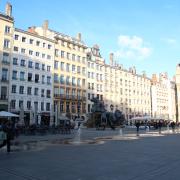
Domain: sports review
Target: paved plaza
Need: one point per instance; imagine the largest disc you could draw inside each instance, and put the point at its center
(100, 155)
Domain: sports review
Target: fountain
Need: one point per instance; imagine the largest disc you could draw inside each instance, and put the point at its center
(120, 132)
(77, 138)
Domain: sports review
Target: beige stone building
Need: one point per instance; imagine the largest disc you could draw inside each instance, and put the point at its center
(126, 90)
(69, 72)
(95, 76)
(6, 45)
(163, 97)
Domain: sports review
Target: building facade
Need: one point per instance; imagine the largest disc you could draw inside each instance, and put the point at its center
(69, 73)
(45, 74)
(95, 76)
(6, 45)
(163, 97)
(126, 90)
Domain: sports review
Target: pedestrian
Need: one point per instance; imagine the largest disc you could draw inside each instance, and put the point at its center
(173, 126)
(2, 138)
(79, 124)
(137, 123)
(159, 126)
(9, 135)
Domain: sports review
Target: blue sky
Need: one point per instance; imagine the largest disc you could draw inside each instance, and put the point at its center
(141, 33)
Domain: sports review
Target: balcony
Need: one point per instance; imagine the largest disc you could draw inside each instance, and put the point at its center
(4, 79)
(5, 62)
(70, 97)
(3, 97)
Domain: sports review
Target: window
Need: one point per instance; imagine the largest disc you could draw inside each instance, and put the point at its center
(48, 93)
(42, 106)
(13, 89)
(73, 81)
(29, 89)
(14, 75)
(56, 78)
(15, 48)
(31, 41)
(61, 106)
(37, 54)
(36, 78)
(47, 106)
(68, 55)
(61, 90)
(84, 71)
(43, 79)
(78, 58)
(5, 57)
(4, 74)
(48, 80)
(62, 66)
(68, 80)
(6, 43)
(23, 39)
(62, 79)
(83, 82)
(67, 107)
(16, 37)
(37, 43)
(4, 92)
(36, 91)
(13, 104)
(73, 57)
(36, 105)
(56, 52)
(49, 46)
(78, 69)
(30, 64)
(55, 64)
(42, 92)
(23, 62)
(84, 60)
(44, 45)
(48, 57)
(21, 90)
(89, 108)
(7, 29)
(22, 74)
(43, 67)
(48, 68)
(78, 82)
(67, 67)
(30, 52)
(43, 56)
(37, 66)
(62, 43)
(89, 96)
(62, 54)
(73, 68)
(28, 104)
(23, 50)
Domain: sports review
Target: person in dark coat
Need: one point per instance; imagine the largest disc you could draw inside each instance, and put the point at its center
(160, 126)
(137, 123)
(173, 126)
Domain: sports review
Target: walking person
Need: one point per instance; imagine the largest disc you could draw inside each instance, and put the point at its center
(137, 123)
(160, 126)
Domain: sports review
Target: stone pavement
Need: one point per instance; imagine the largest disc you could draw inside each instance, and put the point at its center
(147, 158)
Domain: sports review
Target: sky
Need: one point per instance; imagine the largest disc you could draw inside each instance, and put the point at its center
(141, 33)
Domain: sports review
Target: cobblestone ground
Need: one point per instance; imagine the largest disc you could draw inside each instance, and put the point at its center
(100, 155)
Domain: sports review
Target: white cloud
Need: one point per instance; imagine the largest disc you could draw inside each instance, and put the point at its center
(132, 48)
(170, 40)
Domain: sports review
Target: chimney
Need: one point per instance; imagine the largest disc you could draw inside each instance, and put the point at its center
(45, 27)
(32, 29)
(8, 10)
(111, 59)
(79, 36)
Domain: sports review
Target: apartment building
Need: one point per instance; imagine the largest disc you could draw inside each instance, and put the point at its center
(6, 45)
(163, 97)
(95, 75)
(126, 90)
(26, 71)
(69, 73)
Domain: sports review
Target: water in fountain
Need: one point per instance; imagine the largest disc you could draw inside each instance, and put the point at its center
(77, 138)
(168, 128)
(120, 132)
